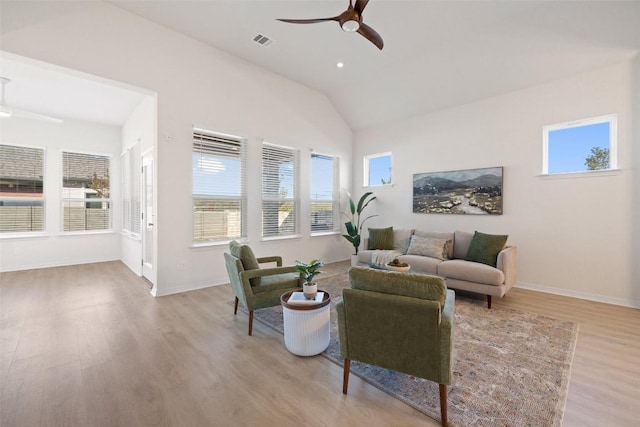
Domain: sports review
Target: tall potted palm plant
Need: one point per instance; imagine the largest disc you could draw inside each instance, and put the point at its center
(356, 222)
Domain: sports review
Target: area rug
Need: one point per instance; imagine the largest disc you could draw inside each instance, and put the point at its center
(511, 368)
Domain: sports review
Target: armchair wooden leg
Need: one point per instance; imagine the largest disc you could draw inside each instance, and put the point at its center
(489, 301)
(235, 307)
(345, 378)
(443, 405)
(250, 322)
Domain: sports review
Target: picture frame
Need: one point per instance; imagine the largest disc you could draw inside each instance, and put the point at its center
(466, 192)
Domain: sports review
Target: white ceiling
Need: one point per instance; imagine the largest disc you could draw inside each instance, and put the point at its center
(437, 54)
(65, 94)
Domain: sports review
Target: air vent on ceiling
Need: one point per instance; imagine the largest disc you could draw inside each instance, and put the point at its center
(263, 40)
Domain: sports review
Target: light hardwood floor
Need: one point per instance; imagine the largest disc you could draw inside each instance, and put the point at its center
(88, 346)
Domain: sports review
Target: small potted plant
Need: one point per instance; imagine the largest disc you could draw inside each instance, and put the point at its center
(309, 271)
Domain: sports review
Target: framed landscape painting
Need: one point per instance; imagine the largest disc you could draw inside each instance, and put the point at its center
(471, 191)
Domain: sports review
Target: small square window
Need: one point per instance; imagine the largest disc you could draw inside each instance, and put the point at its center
(377, 169)
(580, 146)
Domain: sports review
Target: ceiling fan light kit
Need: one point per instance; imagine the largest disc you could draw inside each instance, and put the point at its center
(350, 21)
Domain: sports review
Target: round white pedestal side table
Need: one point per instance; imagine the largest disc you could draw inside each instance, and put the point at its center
(306, 327)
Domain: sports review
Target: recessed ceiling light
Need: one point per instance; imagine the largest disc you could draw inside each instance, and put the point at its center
(339, 65)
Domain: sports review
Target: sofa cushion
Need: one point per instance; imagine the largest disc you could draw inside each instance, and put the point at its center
(484, 248)
(429, 246)
(394, 283)
(461, 242)
(401, 240)
(471, 272)
(421, 264)
(380, 238)
(248, 259)
(437, 235)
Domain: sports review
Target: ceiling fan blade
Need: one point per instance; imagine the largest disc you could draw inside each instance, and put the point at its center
(360, 5)
(16, 112)
(307, 21)
(371, 35)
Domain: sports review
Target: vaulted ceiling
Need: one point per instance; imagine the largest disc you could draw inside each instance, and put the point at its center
(437, 54)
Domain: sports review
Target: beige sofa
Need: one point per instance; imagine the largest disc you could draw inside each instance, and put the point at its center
(454, 268)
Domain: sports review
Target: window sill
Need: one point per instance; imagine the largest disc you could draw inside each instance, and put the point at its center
(583, 174)
(276, 238)
(325, 233)
(25, 235)
(379, 186)
(209, 244)
(85, 233)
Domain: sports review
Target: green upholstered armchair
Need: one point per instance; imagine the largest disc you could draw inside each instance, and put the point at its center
(399, 321)
(258, 287)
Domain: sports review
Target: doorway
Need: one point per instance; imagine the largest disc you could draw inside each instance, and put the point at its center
(148, 219)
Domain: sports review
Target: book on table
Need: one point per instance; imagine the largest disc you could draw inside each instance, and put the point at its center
(299, 298)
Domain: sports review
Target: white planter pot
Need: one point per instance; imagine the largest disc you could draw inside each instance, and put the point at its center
(354, 260)
(310, 290)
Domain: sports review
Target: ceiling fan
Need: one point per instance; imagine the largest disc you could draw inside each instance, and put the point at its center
(350, 20)
(6, 111)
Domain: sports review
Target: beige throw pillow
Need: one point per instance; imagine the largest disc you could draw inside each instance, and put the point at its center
(429, 246)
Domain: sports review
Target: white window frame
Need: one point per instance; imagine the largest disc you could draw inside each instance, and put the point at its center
(31, 233)
(85, 200)
(268, 198)
(335, 195)
(366, 168)
(612, 119)
(216, 140)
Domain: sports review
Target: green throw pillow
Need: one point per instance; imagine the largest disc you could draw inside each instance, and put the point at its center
(248, 259)
(381, 238)
(484, 248)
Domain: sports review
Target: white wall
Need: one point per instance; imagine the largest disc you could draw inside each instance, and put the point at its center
(140, 130)
(57, 248)
(196, 85)
(635, 197)
(574, 236)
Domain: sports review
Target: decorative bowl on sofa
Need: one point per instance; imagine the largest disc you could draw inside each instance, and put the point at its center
(397, 265)
(403, 269)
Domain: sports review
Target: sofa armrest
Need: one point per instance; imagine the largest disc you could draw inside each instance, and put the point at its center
(447, 332)
(508, 263)
(276, 259)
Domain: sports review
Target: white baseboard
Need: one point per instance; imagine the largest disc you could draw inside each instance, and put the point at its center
(38, 265)
(580, 295)
(191, 287)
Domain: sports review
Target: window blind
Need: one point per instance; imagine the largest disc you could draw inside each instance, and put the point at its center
(131, 190)
(325, 203)
(86, 191)
(280, 191)
(21, 189)
(219, 187)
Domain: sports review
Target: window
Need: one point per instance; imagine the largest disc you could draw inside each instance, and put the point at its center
(325, 203)
(219, 168)
(377, 169)
(580, 146)
(86, 188)
(21, 189)
(280, 199)
(131, 191)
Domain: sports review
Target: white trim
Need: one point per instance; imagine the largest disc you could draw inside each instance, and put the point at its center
(582, 174)
(365, 169)
(612, 119)
(624, 302)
